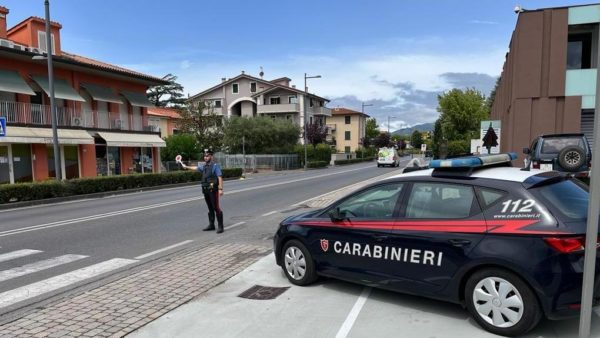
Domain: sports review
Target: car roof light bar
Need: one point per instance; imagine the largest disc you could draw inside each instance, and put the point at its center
(473, 161)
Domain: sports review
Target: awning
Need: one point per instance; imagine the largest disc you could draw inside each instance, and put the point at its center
(62, 89)
(44, 136)
(100, 93)
(137, 99)
(12, 82)
(132, 140)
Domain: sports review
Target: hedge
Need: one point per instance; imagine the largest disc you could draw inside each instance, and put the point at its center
(317, 164)
(354, 160)
(40, 190)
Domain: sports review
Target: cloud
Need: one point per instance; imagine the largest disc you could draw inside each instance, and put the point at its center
(483, 22)
(185, 64)
(483, 82)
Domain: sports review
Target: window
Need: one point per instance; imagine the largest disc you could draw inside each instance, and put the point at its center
(311, 120)
(71, 162)
(292, 99)
(235, 88)
(252, 87)
(490, 196)
(21, 156)
(569, 198)
(321, 103)
(217, 103)
(347, 119)
(275, 100)
(376, 203)
(555, 145)
(347, 136)
(311, 103)
(439, 200)
(347, 150)
(579, 51)
(42, 42)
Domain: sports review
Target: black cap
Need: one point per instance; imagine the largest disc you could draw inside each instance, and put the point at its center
(208, 151)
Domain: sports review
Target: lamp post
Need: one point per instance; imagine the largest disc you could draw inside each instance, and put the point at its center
(53, 115)
(390, 117)
(305, 124)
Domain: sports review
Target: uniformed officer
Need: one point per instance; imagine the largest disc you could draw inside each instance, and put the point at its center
(212, 188)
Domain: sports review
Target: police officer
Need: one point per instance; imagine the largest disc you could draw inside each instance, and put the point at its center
(212, 188)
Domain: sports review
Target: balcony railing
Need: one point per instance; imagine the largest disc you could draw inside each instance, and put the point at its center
(278, 108)
(37, 114)
(324, 111)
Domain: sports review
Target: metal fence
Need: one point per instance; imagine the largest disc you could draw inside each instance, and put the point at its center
(249, 162)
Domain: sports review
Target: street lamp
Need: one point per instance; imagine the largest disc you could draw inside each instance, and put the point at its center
(362, 110)
(390, 117)
(53, 115)
(305, 124)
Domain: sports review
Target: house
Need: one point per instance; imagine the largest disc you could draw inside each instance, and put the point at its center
(548, 82)
(163, 120)
(249, 96)
(346, 129)
(101, 110)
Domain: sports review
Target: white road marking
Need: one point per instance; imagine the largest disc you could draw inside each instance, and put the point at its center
(269, 213)
(51, 284)
(349, 322)
(17, 254)
(38, 266)
(235, 225)
(163, 249)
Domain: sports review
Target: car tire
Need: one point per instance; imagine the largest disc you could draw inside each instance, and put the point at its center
(488, 293)
(297, 263)
(571, 158)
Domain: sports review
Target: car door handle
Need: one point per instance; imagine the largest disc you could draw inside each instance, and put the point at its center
(380, 237)
(459, 242)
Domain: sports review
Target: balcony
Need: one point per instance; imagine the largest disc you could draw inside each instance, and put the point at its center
(322, 111)
(278, 108)
(330, 128)
(19, 113)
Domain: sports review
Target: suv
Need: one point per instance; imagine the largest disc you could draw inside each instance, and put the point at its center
(560, 152)
(388, 156)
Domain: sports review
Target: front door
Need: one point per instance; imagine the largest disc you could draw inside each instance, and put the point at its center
(4, 165)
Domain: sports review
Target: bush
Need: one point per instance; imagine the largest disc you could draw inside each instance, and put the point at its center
(350, 161)
(81, 186)
(366, 152)
(458, 147)
(322, 152)
(317, 164)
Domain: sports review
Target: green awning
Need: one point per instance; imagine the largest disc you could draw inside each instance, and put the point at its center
(137, 99)
(62, 89)
(100, 93)
(12, 82)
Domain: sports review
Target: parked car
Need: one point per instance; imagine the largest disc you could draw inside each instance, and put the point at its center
(505, 243)
(560, 152)
(388, 156)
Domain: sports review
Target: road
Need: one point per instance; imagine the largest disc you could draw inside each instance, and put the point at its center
(48, 249)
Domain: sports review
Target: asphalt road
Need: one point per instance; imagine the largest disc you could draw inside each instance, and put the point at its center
(48, 249)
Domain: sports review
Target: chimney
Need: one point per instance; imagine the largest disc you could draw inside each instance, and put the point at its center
(243, 72)
(223, 79)
(293, 86)
(3, 14)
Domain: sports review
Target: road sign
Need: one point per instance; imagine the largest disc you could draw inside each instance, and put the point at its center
(178, 158)
(2, 126)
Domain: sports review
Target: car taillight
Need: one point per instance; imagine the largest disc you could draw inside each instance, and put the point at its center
(566, 244)
(536, 165)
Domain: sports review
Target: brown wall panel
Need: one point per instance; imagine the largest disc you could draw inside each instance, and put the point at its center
(543, 119)
(572, 115)
(528, 59)
(558, 52)
(521, 134)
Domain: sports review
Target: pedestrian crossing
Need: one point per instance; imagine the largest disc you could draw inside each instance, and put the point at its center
(24, 262)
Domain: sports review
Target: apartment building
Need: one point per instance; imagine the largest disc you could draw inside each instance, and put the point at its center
(548, 82)
(346, 129)
(102, 113)
(163, 120)
(249, 96)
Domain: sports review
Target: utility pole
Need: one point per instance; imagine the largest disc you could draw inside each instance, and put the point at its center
(305, 123)
(53, 113)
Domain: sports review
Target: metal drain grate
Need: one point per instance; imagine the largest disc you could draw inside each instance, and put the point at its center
(262, 292)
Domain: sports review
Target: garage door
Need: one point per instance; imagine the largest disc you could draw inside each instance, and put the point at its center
(587, 125)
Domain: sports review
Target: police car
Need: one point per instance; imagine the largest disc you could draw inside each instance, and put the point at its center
(506, 243)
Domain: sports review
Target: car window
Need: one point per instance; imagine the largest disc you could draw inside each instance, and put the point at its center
(555, 145)
(439, 200)
(491, 195)
(378, 202)
(568, 197)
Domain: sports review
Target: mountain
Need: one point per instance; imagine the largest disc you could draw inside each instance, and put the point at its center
(410, 130)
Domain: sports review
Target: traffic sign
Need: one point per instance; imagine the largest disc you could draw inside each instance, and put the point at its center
(2, 126)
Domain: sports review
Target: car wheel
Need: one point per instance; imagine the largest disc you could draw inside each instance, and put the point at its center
(378, 165)
(298, 264)
(501, 302)
(571, 158)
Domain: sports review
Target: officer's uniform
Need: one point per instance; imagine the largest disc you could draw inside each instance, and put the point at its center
(211, 172)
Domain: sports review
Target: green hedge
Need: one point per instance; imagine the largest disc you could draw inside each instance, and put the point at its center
(49, 189)
(317, 164)
(355, 160)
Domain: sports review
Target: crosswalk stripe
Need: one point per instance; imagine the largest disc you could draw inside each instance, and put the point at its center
(16, 254)
(38, 266)
(54, 283)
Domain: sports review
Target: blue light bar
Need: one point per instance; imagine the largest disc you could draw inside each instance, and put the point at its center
(473, 161)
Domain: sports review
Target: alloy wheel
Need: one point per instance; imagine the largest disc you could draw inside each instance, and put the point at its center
(572, 157)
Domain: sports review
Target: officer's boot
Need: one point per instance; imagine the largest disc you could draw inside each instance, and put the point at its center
(220, 222)
(211, 220)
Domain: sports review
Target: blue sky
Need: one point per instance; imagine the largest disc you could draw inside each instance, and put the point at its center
(397, 55)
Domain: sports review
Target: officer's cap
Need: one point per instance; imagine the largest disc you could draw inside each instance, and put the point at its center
(208, 151)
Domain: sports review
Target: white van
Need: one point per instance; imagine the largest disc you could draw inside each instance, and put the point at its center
(388, 156)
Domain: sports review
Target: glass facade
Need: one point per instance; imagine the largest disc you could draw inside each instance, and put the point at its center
(4, 165)
(71, 162)
(22, 162)
(114, 160)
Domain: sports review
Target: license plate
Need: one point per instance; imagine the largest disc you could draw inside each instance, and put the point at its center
(546, 166)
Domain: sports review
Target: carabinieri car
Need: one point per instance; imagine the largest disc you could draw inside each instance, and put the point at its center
(506, 243)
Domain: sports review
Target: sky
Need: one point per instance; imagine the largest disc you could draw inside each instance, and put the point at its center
(396, 55)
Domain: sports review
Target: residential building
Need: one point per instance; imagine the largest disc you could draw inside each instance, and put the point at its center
(163, 120)
(101, 110)
(346, 129)
(249, 96)
(548, 82)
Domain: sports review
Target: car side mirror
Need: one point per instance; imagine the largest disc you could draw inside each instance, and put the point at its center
(526, 151)
(337, 216)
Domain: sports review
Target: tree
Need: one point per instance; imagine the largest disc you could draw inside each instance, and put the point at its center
(416, 139)
(490, 100)
(371, 129)
(382, 140)
(181, 144)
(260, 135)
(315, 133)
(438, 137)
(199, 120)
(174, 91)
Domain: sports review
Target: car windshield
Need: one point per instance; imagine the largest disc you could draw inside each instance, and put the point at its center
(555, 145)
(568, 197)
